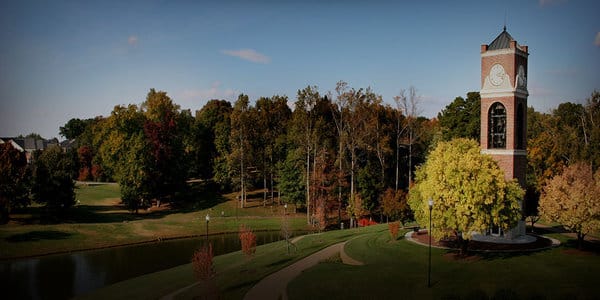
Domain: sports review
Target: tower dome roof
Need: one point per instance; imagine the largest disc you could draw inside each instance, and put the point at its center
(502, 41)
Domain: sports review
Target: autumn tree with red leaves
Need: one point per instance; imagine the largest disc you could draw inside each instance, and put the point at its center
(248, 240)
(204, 269)
(166, 148)
(85, 156)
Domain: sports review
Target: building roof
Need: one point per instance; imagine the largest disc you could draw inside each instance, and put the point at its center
(502, 41)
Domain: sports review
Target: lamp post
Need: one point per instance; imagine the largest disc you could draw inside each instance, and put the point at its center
(430, 232)
(285, 209)
(207, 220)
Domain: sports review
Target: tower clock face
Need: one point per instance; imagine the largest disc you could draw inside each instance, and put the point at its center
(497, 74)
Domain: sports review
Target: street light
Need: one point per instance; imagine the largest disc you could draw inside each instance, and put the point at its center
(430, 232)
(285, 209)
(207, 220)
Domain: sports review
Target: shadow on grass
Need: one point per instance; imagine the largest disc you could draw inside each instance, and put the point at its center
(37, 236)
(196, 197)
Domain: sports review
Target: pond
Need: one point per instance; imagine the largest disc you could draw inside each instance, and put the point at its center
(64, 276)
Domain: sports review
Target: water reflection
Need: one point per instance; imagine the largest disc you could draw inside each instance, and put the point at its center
(67, 275)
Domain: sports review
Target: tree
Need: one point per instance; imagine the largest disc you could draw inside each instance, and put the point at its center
(248, 241)
(14, 180)
(204, 269)
(323, 183)
(462, 118)
(468, 189)
(74, 128)
(410, 108)
(291, 185)
(272, 115)
(52, 179)
(214, 117)
(303, 128)
(85, 156)
(572, 199)
(395, 205)
(164, 135)
(112, 136)
(135, 173)
(239, 139)
(356, 135)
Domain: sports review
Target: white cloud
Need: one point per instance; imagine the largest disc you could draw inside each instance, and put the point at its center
(249, 55)
(132, 40)
(551, 2)
(597, 40)
(214, 92)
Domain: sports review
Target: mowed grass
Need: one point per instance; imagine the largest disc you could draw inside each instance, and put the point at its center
(398, 269)
(100, 220)
(236, 274)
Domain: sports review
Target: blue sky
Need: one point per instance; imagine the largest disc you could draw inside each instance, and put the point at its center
(78, 59)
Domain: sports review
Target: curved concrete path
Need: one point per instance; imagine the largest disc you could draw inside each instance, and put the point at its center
(274, 286)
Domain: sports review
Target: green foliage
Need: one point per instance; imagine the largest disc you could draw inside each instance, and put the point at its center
(214, 117)
(468, 190)
(52, 179)
(135, 174)
(15, 179)
(74, 128)
(462, 118)
(370, 185)
(291, 184)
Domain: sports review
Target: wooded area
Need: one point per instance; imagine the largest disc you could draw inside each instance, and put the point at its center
(332, 154)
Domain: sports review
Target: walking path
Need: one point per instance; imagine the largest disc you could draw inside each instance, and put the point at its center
(274, 286)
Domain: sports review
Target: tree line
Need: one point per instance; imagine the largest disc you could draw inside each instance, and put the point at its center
(340, 154)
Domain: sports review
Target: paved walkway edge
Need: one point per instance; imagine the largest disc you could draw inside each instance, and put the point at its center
(274, 286)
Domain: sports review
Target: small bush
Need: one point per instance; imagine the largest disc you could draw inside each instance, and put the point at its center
(366, 222)
(394, 227)
(248, 240)
(202, 262)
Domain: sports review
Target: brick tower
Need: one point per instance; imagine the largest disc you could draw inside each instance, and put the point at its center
(504, 106)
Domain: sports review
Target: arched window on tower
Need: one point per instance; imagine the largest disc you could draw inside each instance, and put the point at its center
(520, 127)
(497, 126)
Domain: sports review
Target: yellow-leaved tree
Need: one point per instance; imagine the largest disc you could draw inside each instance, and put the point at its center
(468, 190)
(573, 200)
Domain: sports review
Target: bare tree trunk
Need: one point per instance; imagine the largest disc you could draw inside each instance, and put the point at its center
(397, 162)
(410, 158)
(308, 186)
(243, 190)
(352, 163)
(272, 187)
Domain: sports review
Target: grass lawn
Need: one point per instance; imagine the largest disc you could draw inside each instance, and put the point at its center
(235, 273)
(398, 269)
(99, 220)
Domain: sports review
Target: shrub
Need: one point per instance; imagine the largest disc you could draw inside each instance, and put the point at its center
(202, 262)
(248, 240)
(394, 227)
(366, 222)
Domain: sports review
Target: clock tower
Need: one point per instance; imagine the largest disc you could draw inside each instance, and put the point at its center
(504, 106)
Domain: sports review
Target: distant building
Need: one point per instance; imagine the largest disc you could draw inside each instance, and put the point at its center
(29, 145)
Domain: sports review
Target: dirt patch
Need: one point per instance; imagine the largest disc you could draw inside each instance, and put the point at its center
(452, 243)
